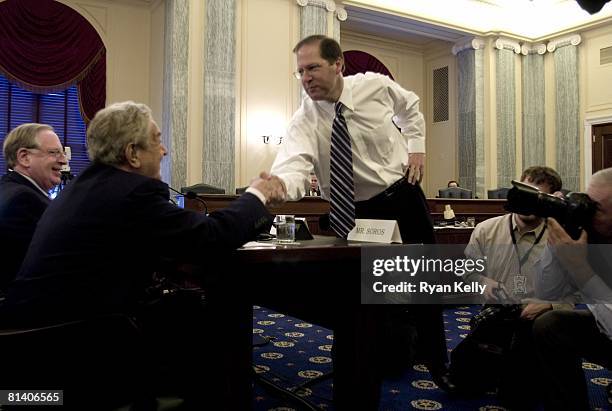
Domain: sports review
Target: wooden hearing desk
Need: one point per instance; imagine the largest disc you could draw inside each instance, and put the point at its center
(312, 208)
(319, 282)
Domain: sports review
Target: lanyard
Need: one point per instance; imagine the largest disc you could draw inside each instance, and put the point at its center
(524, 258)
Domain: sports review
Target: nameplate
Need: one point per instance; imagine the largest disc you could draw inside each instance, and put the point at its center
(375, 231)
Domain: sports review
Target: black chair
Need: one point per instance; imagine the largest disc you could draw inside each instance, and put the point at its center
(498, 193)
(82, 358)
(455, 192)
(203, 188)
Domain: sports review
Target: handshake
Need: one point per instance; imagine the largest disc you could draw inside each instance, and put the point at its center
(271, 187)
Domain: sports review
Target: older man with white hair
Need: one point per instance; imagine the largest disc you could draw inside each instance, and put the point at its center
(103, 242)
(563, 338)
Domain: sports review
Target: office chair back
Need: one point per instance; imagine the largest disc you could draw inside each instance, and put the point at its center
(80, 357)
(455, 192)
(203, 188)
(498, 193)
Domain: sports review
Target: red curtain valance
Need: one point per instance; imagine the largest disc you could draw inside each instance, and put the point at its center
(356, 61)
(46, 46)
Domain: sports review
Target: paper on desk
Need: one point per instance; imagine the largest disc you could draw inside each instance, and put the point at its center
(255, 244)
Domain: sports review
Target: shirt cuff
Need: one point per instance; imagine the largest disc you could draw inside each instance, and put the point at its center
(257, 194)
(416, 145)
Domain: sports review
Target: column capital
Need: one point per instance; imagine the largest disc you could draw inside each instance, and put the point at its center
(475, 43)
(341, 13)
(506, 43)
(329, 5)
(539, 48)
(554, 44)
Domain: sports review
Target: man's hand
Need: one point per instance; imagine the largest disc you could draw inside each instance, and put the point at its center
(490, 284)
(272, 187)
(557, 236)
(571, 254)
(533, 310)
(416, 167)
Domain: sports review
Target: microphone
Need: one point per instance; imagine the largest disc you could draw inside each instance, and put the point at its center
(65, 170)
(192, 196)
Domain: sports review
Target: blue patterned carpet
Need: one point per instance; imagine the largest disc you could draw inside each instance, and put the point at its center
(294, 354)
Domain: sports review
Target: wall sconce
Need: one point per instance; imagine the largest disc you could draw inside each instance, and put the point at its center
(272, 139)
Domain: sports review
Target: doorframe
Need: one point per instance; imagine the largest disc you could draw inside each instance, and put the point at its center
(588, 144)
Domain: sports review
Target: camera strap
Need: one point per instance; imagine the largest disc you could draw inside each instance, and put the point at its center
(522, 260)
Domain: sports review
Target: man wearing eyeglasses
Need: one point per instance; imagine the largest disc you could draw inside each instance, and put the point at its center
(363, 136)
(34, 157)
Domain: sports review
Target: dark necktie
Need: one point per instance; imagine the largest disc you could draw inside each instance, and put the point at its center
(342, 192)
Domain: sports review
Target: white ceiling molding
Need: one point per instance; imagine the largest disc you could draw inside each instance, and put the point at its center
(539, 48)
(472, 43)
(394, 26)
(554, 44)
(341, 13)
(505, 43)
(525, 20)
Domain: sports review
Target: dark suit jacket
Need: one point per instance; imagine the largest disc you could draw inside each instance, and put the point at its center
(21, 205)
(96, 247)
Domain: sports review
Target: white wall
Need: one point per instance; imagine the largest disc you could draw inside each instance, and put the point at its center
(596, 90)
(125, 30)
(442, 161)
(268, 92)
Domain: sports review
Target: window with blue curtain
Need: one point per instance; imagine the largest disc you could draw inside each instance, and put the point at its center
(60, 110)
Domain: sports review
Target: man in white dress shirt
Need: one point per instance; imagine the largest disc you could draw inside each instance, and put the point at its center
(387, 136)
(563, 338)
(387, 133)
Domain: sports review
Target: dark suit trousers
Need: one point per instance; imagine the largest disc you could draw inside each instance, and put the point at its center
(562, 339)
(407, 204)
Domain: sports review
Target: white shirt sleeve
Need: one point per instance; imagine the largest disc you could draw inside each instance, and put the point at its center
(551, 282)
(407, 117)
(294, 160)
(603, 316)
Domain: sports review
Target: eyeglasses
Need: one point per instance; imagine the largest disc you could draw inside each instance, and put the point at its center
(52, 153)
(312, 69)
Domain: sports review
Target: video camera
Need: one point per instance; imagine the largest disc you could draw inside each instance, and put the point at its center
(574, 212)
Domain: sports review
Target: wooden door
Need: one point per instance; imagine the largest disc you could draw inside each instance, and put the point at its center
(602, 146)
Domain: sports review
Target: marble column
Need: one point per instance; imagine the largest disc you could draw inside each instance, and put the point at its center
(318, 17)
(470, 145)
(218, 149)
(567, 106)
(534, 125)
(506, 110)
(175, 93)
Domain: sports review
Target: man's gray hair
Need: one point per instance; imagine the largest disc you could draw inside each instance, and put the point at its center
(23, 136)
(116, 126)
(602, 177)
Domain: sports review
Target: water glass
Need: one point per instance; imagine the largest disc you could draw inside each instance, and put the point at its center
(471, 221)
(285, 228)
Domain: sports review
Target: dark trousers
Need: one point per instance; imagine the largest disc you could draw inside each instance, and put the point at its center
(520, 378)
(562, 339)
(407, 204)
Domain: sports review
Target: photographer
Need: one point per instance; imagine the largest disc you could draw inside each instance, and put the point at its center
(513, 244)
(563, 338)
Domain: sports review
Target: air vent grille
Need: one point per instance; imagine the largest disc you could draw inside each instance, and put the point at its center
(440, 94)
